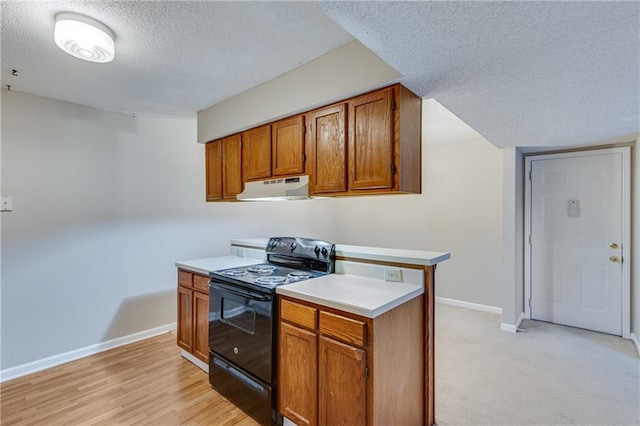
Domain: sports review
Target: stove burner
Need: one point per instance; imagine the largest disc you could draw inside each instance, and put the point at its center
(234, 272)
(271, 280)
(261, 269)
(299, 275)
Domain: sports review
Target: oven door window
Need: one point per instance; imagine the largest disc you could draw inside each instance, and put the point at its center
(238, 315)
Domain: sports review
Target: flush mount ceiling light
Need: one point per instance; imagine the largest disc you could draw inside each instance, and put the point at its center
(84, 37)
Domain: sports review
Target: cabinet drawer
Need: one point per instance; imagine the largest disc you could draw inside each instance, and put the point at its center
(296, 313)
(185, 278)
(200, 282)
(342, 328)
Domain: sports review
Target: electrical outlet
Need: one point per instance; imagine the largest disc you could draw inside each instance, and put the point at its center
(394, 275)
(6, 204)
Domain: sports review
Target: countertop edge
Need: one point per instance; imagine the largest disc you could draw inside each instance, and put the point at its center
(346, 307)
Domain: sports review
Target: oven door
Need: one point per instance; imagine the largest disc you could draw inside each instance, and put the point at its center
(241, 328)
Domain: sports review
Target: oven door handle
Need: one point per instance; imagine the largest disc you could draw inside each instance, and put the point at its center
(241, 292)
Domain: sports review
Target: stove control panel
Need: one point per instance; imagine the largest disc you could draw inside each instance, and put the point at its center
(301, 248)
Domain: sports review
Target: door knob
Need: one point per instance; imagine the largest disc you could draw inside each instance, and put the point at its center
(613, 245)
(614, 258)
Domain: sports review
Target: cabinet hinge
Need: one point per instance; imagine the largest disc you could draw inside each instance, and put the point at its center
(529, 238)
(393, 105)
(393, 169)
(529, 174)
(529, 303)
(366, 372)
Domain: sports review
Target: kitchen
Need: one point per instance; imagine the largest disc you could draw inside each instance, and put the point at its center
(114, 234)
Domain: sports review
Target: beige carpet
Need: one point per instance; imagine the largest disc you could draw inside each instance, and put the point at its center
(546, 375)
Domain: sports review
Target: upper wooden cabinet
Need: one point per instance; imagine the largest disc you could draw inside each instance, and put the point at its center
(231, 166)
(327, 149)
(287, 146)
(371, 162)
(213, 161)
(223, 168)
(367, 144)
(256, 153)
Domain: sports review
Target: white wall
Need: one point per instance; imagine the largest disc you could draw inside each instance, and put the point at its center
(346, 70)
(459, 211)
(104, 204)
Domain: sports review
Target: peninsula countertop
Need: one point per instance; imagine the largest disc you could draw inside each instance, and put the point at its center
(210, 264)
(381, 254)
(367, 297)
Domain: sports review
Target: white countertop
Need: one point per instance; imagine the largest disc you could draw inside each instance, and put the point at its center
(367, 297)
(209, 264)
(412, 257)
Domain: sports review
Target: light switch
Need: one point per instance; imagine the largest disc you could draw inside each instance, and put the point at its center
(574, 208)
(6, 204)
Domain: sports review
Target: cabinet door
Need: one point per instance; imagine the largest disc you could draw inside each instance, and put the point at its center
(201, 326)
(287, 137)
(327, 149)
(185, 319)
(371, 141)
(298, 374)
(341, 384)
(213, 160)
(231, 166)
(256, 153)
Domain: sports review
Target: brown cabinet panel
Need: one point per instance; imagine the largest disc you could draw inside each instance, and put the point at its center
(341, 384)
(298, 374)
(256, 153)
(201, 326)
(185, 318)
(231, 166)
(287, 150)
(371, 147)
(296, 313)
(327, 151)
(342, 328)
(213, 160)
(201, 283)
(185, 278)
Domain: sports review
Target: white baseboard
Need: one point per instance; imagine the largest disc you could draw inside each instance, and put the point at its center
(195, 360)
(52, 361)
(512, 328)
(469, 305)
(635, 341)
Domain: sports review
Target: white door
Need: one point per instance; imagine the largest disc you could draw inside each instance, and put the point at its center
(577, 233)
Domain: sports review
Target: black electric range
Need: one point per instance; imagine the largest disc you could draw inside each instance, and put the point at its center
(243, 321)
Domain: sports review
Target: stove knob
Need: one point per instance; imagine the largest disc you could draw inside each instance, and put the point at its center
(293, 246)
(317, 251)
(325, 252)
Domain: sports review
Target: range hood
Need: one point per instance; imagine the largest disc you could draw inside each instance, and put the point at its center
(281, 189)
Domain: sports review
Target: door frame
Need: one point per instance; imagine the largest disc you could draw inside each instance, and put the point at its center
(626, 226)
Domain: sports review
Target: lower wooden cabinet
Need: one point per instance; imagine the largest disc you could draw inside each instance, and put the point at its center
(298, 348)
(337, 368)
(193, 314)
(341, 384)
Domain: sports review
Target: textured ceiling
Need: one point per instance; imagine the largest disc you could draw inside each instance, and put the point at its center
(172, 57)
(519, 73)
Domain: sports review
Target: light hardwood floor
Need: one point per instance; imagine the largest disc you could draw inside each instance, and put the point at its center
(147, 382)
